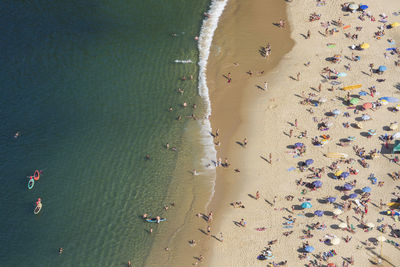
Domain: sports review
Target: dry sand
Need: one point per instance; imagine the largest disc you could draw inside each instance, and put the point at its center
(241, 109)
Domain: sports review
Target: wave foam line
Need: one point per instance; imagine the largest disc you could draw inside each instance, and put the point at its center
(204, 44)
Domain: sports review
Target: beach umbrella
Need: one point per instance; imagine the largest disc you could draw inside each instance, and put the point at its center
(337, 212)
(309, 248)
(370, 225)
(342, 225)
(324, 141)
(318, 213)
(322, 100)
(389, 99)
(336, 112)
(354, 195)
(306, 205)
(363, 93)
(394, 126)
(366, 189)
(298, 145)
(317, 184)
(395, 24)
(397, 107)
(345, 174)
(342, 74)
(365, 117)
(338, 173)
(335, 241)
(372, 132)
(367, 105)
(363, 7)
(383, 101)
(353, 6)
(347, 187)
(396, 135)
(309, 162)
(382, 68)
(364, 45)
(331, 199)
(351, 138)
(354, 101)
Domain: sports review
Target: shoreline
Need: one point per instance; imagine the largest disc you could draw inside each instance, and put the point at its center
(263, 118)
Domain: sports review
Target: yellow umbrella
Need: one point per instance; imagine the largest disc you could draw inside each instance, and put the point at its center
(351, 87)
(395, 24)
(397, 107)
(338, 173)
(364, 45)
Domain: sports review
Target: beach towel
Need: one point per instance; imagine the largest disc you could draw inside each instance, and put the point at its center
(288, 226)
(291, 169)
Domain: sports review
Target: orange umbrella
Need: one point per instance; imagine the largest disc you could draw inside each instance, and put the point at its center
(367, 105)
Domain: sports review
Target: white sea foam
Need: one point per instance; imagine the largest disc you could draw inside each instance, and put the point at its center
(184, 61)
(204, 44)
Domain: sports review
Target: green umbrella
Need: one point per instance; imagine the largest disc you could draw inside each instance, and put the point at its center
(354, 101)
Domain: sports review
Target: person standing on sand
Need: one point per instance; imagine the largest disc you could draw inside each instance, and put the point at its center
(245, 142)
(208, 230)
(295, 123)
(270, 158)
(308, 34)
(265, 85)
(257, 195)
(290, 133)
(229, 77)
(298, 76)
(320, 87)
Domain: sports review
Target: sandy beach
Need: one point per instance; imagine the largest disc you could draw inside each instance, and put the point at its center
(275, 113)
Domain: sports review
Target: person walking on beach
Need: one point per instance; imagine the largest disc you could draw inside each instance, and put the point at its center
(245, 142)
(257, 195)
(295, 123)
(270, 158)
(208, 230)
(298, 76)
(308, 34)
(290, 133)
(265, 85)
(229, 77)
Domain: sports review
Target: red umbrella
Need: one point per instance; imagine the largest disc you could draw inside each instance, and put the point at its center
(367, 105)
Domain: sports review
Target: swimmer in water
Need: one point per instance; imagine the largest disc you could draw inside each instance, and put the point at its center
(17, 134)
(60, 251)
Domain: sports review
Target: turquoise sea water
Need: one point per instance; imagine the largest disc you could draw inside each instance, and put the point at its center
(88, 84)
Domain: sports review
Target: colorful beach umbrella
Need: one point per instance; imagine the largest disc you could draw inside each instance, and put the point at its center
(317, 184)
(306, 205)
(366, 189)
(382, 68)
(347, 187)
(397, 107)
(354, 101)
(309, 162)
(395, 24)
(351, 138)
(331, 199)
(367, 105)
(372, 132)
(318, 213)
(299, 145)
(354, 195)
(389, 99)
(309, 248)
(338, 173)
(383, 101)
(364, 45)
(345, 174)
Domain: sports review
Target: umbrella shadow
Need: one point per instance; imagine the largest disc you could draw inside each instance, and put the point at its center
(328, 213)
(358, 191)
(293, 78)
(259, 87)
(354, 125)
(335, 227)
(240, 143)
(365, 134)
(297, 207)
(332, 176)
(322, 201)
(253, 197)
(386, 128)
(309, 215)
(363, 72)
(265, 159)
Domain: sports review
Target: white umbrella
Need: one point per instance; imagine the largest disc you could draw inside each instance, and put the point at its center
(381, 238)
(323, 100)
(342, 225)
(370, 225)
(337, 212)
(353, 6)
(335, 241)
(396, 135)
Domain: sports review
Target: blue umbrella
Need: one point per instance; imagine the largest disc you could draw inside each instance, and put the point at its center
(309, 248)
(363, 7)
(390, 99)
(353, 195)
(391, 48)
(382, 68)
(306, 205)
(319, 213)
(347, 187)
(317, 184)
(336, 112)
(363, 93)
(342, 74)
(345, 174)
(298, 145)
(309, 162)
(366, 189)
(331, 199)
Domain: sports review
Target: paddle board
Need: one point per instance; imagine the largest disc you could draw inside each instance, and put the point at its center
(38, 208)
(336, 155)
(154, 220)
